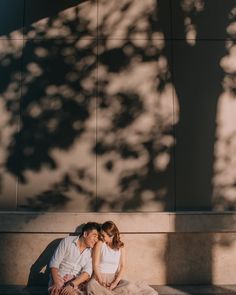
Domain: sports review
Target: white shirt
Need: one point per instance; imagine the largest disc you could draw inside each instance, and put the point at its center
(110, 259)
(68, 259)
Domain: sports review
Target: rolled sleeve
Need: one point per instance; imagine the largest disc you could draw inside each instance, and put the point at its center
(58, 255)
(88, 268)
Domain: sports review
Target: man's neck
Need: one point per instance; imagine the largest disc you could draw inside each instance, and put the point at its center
(81, 244)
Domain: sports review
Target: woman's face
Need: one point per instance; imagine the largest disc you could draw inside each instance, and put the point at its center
(106, 238)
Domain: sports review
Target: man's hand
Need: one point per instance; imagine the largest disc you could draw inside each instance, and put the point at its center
(68, 290)
(55, 289)
(58, 282)
(68, 277)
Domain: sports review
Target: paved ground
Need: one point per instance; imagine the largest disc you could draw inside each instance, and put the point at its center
(162, 290)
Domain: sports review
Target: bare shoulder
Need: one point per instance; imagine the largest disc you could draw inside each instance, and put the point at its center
(98, 244)
(122, 249)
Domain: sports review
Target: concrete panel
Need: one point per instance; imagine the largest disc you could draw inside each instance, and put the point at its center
(10, 98)
(202, 222)
(134, 19)
(224, 254)
(210, 19)
(11, 19)
(198, 78)
(201, 259)
(146, 257)
(61, 20)
(135, 137)
(56, 148)
(67, 222)
(189, 259)
(147, 222)
(18, 254)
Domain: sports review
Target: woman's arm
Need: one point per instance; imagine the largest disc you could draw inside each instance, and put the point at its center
(96, 262)
(120, 273)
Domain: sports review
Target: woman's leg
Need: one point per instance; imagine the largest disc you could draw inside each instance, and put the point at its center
(94, 288)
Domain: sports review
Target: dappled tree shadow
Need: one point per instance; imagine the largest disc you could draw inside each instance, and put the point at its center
(120, 113)
(224, 179)
(57, 90)
(67, 99)
(196, 58)
(94, 82)
(135, 131)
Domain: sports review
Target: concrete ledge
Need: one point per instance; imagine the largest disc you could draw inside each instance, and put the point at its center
(142, 222)
(162, 290)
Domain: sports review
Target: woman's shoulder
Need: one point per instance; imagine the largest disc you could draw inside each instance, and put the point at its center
(99, 244)
(122, 249)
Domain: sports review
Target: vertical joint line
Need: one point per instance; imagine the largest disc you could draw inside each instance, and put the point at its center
(173, 98)
(20, 98)
(96, 111)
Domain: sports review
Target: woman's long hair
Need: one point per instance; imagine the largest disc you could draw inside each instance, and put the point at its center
(111, 230)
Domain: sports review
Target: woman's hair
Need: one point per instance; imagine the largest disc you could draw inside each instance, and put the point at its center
(111, 230)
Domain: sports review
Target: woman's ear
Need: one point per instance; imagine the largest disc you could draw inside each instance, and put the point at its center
(85, 234)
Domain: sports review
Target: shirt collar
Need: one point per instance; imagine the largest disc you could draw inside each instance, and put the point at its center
(75, 241)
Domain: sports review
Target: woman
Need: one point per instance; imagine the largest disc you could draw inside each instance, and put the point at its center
(109, 266)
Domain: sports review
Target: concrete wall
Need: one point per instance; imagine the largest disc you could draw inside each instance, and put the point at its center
(162, 248)
(117, 105)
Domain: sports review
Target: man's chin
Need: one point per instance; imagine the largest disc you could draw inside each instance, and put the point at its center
(90, 245)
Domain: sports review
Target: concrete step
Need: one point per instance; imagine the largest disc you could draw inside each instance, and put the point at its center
(196, 290)
(162, 290)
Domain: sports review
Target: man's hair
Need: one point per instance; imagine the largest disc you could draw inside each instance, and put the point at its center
(89, 227)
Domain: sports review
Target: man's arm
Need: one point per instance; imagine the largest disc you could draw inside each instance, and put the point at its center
(85, 274)
(69, 288)
(57, 282)
(57, 279)
(55, 262)
(83, 277)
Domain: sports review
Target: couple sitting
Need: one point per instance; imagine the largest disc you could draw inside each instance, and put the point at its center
(74, 262)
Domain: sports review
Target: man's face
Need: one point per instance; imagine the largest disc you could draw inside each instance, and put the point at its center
(91, 238)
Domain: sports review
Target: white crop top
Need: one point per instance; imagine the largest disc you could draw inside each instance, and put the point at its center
(110, 259)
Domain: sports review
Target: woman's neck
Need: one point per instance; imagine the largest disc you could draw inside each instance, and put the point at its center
(110, 245)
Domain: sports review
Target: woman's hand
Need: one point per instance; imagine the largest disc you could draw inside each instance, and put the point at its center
(100, 281)
(103, 283)
(68, 290)
(113, 285)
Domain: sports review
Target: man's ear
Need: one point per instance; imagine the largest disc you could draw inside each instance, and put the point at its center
(85, 234)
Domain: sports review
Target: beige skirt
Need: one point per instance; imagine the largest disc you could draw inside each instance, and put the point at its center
(123, 288)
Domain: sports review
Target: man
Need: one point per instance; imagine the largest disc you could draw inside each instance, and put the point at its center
(71, 264)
